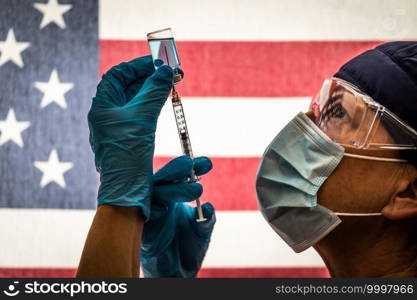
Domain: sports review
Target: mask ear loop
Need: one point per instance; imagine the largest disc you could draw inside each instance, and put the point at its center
(357, 214)
(375, 158)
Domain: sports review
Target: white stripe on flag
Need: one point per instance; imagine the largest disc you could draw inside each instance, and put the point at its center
(227, 127)
(261, 19)
(244, 239)
(43, 237)
(55, 238)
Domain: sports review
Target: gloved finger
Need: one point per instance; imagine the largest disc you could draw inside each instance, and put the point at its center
(202, 165)
(126, 72)
(203, 229)
(180, 192)
(177, 170)
(159, 62)
(153, 94)
(133, 88)
(179, 71)
(112, 87)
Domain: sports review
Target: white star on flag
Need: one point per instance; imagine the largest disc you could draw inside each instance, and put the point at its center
(11, 50)
(54, 90)
(52, 12)
(53, 170)
(11, 129)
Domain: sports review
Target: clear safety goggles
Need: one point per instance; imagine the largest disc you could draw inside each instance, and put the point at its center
(350, 117)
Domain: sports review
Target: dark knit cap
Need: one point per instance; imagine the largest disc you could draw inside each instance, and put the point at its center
(388, 74)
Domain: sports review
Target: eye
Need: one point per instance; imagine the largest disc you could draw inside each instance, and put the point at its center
(339, 112)
(334, 108)
(332, 112)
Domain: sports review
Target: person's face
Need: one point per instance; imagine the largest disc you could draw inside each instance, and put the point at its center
(357, 185)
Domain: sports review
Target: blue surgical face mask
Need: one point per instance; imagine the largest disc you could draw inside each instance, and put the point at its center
(293, 167)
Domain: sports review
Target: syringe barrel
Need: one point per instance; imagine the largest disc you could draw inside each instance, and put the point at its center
(185, 144)
(181, 125)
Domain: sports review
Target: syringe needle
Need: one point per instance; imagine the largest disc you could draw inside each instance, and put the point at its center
(185, 142)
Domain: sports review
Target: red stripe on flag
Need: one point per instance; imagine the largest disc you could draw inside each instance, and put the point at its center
(231, 183)
(247, 69)
(277, 272)
(205, 272)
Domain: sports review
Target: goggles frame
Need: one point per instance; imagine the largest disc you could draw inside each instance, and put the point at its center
(379, 112)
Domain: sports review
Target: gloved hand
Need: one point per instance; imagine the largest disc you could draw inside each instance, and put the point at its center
(122, 122)
(173, 242)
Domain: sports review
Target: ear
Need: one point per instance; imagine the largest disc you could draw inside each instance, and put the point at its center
(404, 204)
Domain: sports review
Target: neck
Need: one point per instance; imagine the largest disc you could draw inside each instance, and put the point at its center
(371, 247)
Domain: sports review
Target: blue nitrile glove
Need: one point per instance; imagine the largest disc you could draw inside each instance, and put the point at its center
(173, 242)
(122, 122)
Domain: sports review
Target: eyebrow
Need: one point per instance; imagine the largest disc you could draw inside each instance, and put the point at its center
(329, 105)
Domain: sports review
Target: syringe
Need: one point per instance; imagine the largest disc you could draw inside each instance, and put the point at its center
(164, 51)
(185, 142)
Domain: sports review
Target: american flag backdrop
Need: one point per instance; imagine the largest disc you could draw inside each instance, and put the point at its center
(250, 66)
